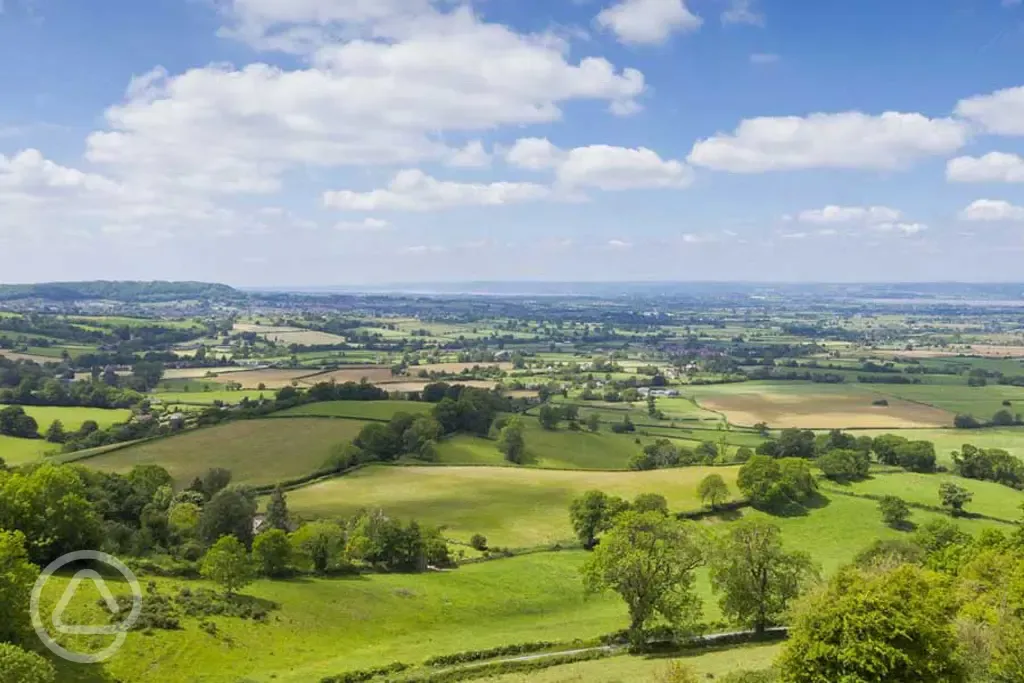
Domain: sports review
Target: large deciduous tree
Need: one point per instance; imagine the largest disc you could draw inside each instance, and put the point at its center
(756, 576)
(649, 560)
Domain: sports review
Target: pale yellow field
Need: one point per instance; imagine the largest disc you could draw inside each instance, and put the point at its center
(373, 374)
(418, 386)
(816, 407)
(454, 368)
(984, 350)
(304, 337)
(272, 378)
(10, 355)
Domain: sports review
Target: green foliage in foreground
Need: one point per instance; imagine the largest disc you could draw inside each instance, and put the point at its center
(895, 627)
(20, 666)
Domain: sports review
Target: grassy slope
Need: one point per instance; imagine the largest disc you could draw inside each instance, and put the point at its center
(511, 506)
(990, 499)
(332, 625)
(981, 402)
(20, 451)
(380, 410)
(329, 626)
(256, 451)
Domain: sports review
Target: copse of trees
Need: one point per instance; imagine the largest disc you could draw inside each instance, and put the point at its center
(844, 465)
(989, 464)
(14, 422)
(773, 484)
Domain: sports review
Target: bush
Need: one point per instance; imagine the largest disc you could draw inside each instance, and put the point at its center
(894, 511)
(966, 422)
(479, 655)
(21, 666)
(478, 542)
(361, 675)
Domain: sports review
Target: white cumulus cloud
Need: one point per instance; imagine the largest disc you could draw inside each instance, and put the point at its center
(414, 190)
(648, 21)
(999, 113)
(845, 140)
(992, 211)
(994, 167)
(849, 214)
(603, 167)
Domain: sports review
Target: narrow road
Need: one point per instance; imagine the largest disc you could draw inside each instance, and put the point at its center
(707, 640)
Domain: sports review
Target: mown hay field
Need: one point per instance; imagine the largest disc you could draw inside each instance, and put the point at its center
(816, 406)
(271, 378)
(256, 451)
(373, 374)
(361, 410)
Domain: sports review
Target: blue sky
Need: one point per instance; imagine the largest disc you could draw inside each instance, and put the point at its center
(319, 142)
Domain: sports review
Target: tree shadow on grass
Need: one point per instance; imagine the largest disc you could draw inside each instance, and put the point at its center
(725, 515)
(905, 526)
(816, 502)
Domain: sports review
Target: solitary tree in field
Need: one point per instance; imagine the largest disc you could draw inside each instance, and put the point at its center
(594, 422)
(511, 441)
(894, 511)
(649, 560)
(756, 576)
(954, 497)
(713, 490)
(227, 564)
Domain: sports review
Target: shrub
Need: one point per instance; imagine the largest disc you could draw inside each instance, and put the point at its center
(894, 511)
(21, 666)
(478, 542)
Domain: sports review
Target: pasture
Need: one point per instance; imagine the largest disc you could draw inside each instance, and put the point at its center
(360, 410)
(256, 451)
(1010, 439)
(562, 449)
(73, 417)
(16, 451)
(815, 406)
(331, 625)
(982, 402)
(991, 499)
(510, 506)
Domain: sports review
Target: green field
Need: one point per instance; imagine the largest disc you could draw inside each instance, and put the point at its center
(993, 500)
(256, 451)
(1010, 439)
(512, 507)
(72, 418)
(20, 451)
(981, 402)
(328, 626)
(360, 410)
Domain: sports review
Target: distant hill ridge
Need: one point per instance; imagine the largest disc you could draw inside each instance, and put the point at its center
(119, 291)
